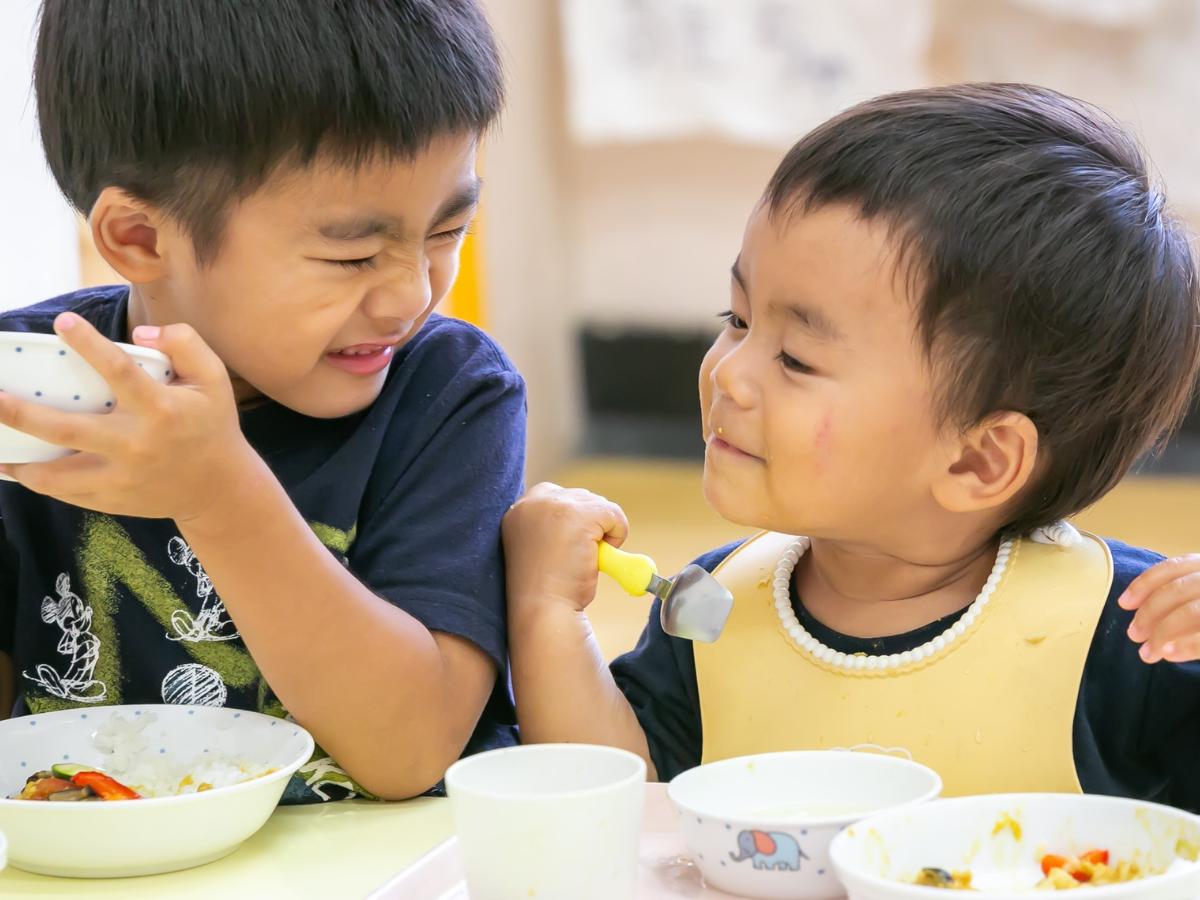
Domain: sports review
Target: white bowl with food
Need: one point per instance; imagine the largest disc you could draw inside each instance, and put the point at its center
(206, 778)
(41, 368)
(1011, 846)
(761, 826)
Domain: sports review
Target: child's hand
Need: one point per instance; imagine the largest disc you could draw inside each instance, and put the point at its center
(1166, 598)
(550, 538)
(165, 451)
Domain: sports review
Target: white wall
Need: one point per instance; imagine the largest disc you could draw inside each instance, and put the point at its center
(655, 226)
(530, 269)
(39, 250)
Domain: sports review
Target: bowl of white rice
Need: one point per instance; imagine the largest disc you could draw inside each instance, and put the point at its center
(208, 778)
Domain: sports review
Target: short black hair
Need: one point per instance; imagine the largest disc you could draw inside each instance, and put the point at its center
(191, 104)
(1047, 275)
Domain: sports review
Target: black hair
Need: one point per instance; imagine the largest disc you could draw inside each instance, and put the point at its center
(191, 104)
(1047, 275)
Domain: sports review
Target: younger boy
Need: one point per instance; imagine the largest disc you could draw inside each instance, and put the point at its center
(959, 315)
(307, 519)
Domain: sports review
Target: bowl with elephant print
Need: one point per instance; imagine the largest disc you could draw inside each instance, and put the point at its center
(98, 791)
(761, 826)
(42, 369)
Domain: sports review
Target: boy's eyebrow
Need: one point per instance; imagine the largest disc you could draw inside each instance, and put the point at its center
(357, 228)
(811, 320)
(467, 198)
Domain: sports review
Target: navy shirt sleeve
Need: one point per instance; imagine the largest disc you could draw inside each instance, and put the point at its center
(429, 532)
(1137, 727)
(658, 678)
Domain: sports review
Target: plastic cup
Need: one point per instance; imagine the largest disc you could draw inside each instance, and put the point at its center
(551, 821)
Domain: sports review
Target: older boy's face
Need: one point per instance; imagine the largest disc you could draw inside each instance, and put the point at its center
(816, 397)
(324, 272)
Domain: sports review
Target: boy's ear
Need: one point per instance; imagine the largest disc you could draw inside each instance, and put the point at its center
(989, 464)
(127, 233)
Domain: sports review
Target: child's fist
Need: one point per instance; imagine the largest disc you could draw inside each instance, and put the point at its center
(1166, 599)
(550, 538)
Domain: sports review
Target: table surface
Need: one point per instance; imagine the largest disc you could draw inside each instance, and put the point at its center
(345, 849)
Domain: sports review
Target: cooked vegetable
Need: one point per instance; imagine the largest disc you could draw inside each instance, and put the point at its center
(66, 782)
(41, 785)
(69, 770)
(1050, 862)
(940, 878)
(1091, 868)
(73, 794)
(106, 787)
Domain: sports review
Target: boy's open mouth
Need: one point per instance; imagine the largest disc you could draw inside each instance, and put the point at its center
(361, 359)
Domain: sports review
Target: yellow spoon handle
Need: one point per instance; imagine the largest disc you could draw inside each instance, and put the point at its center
(632, 571)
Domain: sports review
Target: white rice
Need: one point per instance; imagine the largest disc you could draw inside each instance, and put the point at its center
(129, 758)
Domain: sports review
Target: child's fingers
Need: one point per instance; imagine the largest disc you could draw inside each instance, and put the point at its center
(78, 475)
(1154, 608)
(616, 525)
(129, 382)
(192, 359)
(75, 431)
(1157, 576)
(1181, 623)
(1184, 649)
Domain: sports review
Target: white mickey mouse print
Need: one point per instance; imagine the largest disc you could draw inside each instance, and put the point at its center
(212, 622)
(70, 613)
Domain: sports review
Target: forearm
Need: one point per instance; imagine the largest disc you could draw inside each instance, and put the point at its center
(564, 690)
(364, 676)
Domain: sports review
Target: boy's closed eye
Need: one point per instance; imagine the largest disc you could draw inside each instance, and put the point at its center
(449, 236)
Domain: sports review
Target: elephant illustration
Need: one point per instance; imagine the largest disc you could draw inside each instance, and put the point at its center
(769, 850)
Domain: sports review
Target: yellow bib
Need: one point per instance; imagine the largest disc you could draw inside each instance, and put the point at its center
(991, 713)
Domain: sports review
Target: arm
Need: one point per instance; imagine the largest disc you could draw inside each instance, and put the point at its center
(563, 687)
(365, 676)
(364, 679)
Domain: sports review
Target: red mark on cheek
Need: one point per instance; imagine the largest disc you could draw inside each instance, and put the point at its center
(824, 436)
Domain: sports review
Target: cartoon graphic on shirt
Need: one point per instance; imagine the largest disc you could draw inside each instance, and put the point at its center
(328, 780)
(193, 684)
(112, 570)
(212, 622)
(74, 617)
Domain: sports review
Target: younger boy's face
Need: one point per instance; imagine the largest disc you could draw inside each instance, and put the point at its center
(817, 399)
(323, 273)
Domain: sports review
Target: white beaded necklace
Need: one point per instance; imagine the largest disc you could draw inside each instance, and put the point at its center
(861, 662)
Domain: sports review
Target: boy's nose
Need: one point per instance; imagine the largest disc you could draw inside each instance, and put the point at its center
(733, 376)
(403, 298)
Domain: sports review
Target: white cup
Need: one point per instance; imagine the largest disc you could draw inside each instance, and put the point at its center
(552, 821)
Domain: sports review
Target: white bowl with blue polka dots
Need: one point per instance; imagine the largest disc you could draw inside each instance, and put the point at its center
(152, 835)
(761, 826)
(41, 368)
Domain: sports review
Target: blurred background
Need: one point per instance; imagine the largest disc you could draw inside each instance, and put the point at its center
(639, 134)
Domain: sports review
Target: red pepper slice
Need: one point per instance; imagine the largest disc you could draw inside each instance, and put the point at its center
(104, 786)
(1096, 857)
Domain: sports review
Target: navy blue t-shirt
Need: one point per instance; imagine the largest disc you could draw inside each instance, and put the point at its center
(1137, 727)
(409, 494)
